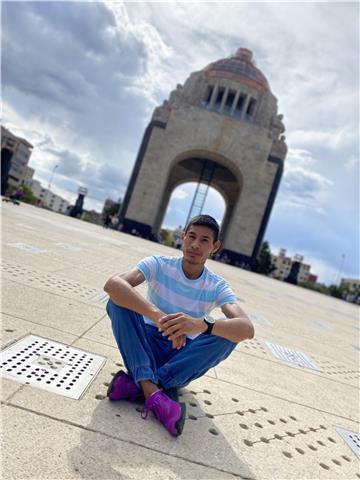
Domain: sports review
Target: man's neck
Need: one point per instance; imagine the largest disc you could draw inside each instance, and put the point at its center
(192, 272)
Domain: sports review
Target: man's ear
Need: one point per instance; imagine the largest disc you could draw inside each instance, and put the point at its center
(216, 247)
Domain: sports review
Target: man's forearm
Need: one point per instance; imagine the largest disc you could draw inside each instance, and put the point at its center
(234, 329)
(125, 295)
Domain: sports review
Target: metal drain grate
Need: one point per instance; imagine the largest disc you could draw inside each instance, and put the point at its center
(50, 365)
(259, 319)
(67, 246)
(291, 356)
(351, 438)
(26, 247)
(101, 297)
(320, 325)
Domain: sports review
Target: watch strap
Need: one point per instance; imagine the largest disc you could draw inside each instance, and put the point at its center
(210, 326)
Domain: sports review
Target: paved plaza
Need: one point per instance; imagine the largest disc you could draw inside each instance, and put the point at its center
(272, 410)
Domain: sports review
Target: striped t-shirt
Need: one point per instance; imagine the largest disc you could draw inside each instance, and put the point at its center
(171, 291)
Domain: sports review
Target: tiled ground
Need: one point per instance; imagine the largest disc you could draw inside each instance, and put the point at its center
(253, 416)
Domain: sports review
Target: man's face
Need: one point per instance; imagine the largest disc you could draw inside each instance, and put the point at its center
(198, 244)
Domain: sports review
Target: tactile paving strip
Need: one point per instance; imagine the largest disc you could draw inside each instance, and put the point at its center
(50, 366)
(291, 356)
(46, 281)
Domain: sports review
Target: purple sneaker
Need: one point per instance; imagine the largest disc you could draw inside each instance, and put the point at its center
(170, 413)
(123, 387)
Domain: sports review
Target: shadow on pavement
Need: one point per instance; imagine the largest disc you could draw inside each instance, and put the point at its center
(129, 447)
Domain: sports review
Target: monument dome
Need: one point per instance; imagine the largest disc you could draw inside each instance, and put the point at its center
(239, 67)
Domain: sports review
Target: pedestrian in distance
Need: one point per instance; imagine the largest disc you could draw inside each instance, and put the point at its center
(170, 339)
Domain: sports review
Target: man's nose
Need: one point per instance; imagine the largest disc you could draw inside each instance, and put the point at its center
(196, 245)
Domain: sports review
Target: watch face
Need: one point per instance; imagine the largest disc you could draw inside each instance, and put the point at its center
(209, 319)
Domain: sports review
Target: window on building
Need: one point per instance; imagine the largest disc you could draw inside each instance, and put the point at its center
(206, 100)
(239, 105)
(229, 101)
(219, 98)
(251, 107)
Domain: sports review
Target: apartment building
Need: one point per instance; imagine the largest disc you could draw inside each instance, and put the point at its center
(284, 264)
(47, 198)
(18, 151)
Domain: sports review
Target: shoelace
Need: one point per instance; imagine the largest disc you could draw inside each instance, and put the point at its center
(145, 411)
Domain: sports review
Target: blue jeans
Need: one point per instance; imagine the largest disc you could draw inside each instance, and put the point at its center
(149, 356)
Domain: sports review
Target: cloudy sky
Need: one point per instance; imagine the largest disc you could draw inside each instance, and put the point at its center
(80, 82)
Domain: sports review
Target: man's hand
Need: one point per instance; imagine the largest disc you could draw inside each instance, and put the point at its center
(177, 325)
(179, 342)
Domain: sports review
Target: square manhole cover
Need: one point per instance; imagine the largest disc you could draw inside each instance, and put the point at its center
(291, 356)
(259, 319)
(320, 325)
(50, 365)
(101, 297)
(26, 247)
(351, 438)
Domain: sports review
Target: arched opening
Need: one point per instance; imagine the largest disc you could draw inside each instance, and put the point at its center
(197, 169)
(180, 202)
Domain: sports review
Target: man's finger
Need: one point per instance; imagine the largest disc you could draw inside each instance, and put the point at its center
(170, 316)
(170, 330)
(170, 323)
(176, 334)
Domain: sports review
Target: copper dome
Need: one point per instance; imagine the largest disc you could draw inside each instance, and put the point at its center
(239, 68)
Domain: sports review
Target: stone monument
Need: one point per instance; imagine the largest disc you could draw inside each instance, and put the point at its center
(221, 128)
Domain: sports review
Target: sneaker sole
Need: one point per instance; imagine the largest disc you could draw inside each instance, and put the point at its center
(110, 387)
(179, 425)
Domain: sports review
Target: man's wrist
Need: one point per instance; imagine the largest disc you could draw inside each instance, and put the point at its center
(155, 315)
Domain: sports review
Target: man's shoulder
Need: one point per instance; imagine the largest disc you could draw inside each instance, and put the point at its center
(160, 260)
(214, 277)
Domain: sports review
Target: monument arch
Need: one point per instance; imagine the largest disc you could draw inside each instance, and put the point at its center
(220, 128)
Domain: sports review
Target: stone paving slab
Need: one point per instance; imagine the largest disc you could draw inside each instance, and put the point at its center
(14, 328)
(253, 416)
(49, 309)
(76, 452)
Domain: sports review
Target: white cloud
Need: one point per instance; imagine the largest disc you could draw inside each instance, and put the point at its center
(333, 139)
(180, 194)
(302, 187)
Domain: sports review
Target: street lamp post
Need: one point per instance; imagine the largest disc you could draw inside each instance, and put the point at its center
(338, 278)
(52, 176)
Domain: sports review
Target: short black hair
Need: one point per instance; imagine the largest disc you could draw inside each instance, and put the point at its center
(205, 221)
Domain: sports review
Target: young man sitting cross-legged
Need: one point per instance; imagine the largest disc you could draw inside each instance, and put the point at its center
(169, 339)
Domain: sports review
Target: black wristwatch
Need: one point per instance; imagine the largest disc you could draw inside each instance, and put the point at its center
(210, 326)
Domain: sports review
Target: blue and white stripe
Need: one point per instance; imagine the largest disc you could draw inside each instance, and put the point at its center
(171, 291)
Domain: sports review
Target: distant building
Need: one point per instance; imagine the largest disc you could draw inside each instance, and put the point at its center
(18, 151)
(284, 265)
(47, 198)
(351, 289)
(312, 278)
